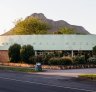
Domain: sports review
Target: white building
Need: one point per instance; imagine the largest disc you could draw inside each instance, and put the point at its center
(49, 42)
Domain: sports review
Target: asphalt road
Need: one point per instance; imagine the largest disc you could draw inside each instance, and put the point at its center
(23, 82)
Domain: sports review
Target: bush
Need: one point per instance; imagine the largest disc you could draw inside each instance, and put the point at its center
(54, 61)
(94, 50)
(67, 61)
(32, 60)
(35, 59)
(26, 52)
(60, 61)
(39, 58)
(79, 60)
(14, 53)
(92, 60)
(47, 57)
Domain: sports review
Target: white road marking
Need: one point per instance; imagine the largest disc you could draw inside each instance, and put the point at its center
(48, 85)
(56, 77)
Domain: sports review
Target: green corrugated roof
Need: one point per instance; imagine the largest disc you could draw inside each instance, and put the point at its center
(50, 42)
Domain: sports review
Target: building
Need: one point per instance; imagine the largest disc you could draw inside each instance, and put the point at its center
(66, 43)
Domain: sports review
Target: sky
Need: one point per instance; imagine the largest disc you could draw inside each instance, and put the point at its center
(75, 12)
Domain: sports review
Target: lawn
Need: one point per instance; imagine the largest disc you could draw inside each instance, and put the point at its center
(88, 76)
(18, 69)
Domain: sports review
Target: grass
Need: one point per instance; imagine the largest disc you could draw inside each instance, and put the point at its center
(18, 69)
(88, 76)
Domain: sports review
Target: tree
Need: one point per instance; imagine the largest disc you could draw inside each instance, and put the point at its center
(30, 25)
(26, 53)
(14, 53)
(94, 50)
(66, 30)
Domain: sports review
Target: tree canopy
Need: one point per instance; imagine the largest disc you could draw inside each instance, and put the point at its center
(66, 30)
(30, 25)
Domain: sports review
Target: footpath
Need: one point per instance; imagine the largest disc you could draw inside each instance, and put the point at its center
(69, 72)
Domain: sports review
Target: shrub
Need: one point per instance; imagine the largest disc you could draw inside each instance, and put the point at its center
(35, 59)
(14, 53)
(39, 58)
(94, 50)
(92, 60)
(79, 60)
(54, 61)
(47, 57)
(67, 60)
(26, 52)
(32, 60)
(60, 61)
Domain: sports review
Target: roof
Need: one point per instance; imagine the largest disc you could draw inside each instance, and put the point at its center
(50, 42)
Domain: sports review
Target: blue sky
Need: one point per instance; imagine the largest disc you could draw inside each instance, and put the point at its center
(75, 12)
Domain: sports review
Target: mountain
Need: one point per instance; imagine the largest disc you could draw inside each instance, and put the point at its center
(55, 25)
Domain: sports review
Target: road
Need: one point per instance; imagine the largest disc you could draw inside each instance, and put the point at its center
(25, 82)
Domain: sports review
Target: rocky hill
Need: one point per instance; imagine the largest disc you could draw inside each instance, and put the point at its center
(56, 25)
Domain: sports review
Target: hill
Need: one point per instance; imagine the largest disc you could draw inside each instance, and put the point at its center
(54, 26)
